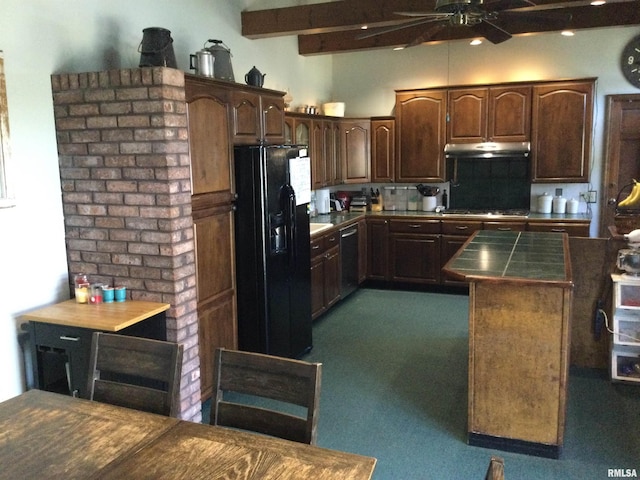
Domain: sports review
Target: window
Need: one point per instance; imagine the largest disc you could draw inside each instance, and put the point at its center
(5, 191)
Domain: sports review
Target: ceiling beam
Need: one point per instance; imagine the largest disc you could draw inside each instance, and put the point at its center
(614, 14)
(340, 15)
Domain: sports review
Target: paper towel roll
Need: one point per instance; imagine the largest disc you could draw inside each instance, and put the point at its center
(322, 200)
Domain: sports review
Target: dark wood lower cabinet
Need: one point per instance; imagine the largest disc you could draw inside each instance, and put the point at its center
(325, 273)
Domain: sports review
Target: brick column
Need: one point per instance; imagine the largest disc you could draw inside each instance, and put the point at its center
(126, 192)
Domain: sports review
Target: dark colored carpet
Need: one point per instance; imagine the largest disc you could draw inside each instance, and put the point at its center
(394, 387)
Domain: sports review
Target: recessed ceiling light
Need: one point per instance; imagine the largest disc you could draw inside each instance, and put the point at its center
(364, 27)
(567, 33)
(398, 48)
(596, 3)
(475, 41)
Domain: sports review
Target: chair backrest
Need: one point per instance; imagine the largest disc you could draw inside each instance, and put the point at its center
(238, 375)
(496, 469)
(135, 372)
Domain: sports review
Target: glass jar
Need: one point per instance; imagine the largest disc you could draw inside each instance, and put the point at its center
(81, 284)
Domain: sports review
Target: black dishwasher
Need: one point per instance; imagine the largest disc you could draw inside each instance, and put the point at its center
(349, 260)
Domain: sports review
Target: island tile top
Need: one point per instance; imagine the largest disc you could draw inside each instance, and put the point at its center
(539, 256)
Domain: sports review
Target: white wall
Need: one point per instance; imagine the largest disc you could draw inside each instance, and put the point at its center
(368, 87)
(41, 37)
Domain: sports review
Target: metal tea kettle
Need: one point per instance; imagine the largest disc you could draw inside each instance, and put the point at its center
(203, 63)
(222, 68)
(254, 77)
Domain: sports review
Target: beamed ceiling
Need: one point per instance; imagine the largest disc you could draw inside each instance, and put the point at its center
(334, 27)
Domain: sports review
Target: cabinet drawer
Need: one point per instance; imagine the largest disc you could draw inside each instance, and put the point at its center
(331, 240)
(626, 330)
(572, 229)
(415, 226)
(506, 226)
(461, 227)
(317, 246)
(625, 365)
(60, 336)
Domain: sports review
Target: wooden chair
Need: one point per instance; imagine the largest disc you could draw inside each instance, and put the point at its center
(293, 382)
(496, 469)
(134, 372)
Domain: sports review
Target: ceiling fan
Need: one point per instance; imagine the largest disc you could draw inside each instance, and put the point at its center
(490, 19)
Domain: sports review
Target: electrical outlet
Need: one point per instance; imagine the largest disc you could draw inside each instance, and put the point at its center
(589, 197)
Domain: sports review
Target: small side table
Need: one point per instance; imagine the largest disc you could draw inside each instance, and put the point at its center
(60, 337)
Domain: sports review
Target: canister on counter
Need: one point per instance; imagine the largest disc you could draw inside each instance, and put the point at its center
(81, 284)
(95, 296)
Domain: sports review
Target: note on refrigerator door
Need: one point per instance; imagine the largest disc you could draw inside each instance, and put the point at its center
(300, 178)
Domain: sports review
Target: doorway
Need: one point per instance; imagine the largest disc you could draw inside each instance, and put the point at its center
(622, 153)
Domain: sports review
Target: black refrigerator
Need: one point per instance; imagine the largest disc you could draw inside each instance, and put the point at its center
(273, 249)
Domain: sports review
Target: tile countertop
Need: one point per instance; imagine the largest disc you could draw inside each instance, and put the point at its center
(341, 218)
(524, 256)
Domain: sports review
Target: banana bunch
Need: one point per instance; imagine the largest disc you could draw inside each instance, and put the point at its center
(633, 200)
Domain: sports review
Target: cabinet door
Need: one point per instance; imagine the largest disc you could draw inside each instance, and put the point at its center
(383, 150)
(215, 269)
(316, 147)
(332, 276)
(467, 122)
(509, 114)
(272, 121)
(302, 128)
(331, 139)
(318, 304)
(415, 258)
(355, 143)
(421, 135)
(362, 251)
(246, 113)
(561, 128)
(210, 146)
(377, 249)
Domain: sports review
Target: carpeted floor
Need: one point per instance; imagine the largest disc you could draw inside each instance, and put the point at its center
(394, 387)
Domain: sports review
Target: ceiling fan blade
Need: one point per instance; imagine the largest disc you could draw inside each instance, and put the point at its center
(423, 14)
(381, 31)
(427, 35)
(491, 32)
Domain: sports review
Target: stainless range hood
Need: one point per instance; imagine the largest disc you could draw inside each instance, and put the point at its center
(487, 149)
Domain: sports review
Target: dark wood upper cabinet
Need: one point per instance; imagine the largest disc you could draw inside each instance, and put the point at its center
(383, 149)
(257, 117)
(492, 114)
(420, 135)
(467, 119)
(561, 128)
(509, 116)
(355, 143)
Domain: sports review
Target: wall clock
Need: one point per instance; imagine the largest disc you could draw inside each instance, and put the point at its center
(630, 62)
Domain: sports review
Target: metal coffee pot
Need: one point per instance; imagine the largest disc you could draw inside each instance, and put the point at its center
(222, 68)
(254, 77)
(203, 63)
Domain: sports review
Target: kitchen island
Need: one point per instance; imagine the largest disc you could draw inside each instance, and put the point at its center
(520, 294)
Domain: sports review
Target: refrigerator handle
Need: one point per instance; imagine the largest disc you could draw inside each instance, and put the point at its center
(290, 210)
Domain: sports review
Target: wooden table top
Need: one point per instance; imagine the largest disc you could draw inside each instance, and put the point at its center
(47, 435)
(108, 317)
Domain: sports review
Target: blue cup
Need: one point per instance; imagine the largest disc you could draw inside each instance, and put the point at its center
(120, 294)
(108, 294)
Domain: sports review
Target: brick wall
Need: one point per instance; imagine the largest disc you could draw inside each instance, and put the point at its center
(124, 169)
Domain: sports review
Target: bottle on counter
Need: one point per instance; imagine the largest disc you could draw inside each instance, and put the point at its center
(445, 198)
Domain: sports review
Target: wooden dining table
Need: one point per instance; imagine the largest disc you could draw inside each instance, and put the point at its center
(48, 435)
